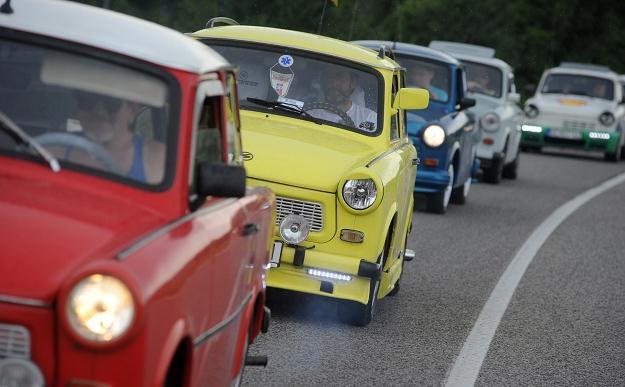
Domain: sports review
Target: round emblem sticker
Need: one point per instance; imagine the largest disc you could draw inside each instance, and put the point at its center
(286, 61)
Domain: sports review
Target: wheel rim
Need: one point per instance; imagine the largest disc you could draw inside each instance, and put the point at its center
(450, 186)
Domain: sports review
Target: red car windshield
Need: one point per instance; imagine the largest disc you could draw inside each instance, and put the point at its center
(90, 114)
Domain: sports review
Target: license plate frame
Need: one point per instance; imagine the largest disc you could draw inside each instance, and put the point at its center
(565, 134)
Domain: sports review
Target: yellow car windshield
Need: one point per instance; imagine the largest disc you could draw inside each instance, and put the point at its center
(306, 85)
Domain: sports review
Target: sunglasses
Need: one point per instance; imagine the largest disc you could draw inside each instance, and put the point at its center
(88, 102)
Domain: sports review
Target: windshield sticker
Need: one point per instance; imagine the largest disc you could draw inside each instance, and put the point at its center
(286, 61)
(281, 81)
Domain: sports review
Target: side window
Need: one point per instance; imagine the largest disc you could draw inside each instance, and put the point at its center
(207, 140)
(394, 117)
(232, 120)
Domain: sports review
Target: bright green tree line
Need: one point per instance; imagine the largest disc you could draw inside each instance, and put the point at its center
(530, 35)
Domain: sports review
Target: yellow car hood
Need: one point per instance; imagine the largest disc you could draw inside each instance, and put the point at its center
(300, 153)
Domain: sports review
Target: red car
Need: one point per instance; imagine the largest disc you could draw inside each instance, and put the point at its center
(131, 253)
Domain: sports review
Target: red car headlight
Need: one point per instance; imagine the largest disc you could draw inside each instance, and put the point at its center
(100, 308)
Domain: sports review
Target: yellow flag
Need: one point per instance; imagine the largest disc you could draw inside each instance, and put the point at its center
(335, 2)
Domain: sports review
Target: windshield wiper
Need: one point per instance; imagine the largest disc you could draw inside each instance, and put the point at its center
(285, 106)
(21, 137)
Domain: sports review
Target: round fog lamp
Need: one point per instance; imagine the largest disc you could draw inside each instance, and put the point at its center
(19, 372)
(294, 229)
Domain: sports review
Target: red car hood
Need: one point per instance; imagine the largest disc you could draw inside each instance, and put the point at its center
(48, 229)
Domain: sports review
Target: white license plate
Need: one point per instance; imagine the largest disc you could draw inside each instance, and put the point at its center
(276, 254)
(565, 134)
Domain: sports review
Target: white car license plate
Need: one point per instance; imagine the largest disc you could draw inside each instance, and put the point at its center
(276, 254)
(565, 134)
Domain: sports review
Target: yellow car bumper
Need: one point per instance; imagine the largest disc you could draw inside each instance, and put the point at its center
(296, 277)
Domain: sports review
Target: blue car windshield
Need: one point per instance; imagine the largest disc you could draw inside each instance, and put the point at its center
(430, 75)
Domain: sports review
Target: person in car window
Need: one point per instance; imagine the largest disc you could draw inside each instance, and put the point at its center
(108, 122)
(338, 88)
(421, 75)
(480, 82)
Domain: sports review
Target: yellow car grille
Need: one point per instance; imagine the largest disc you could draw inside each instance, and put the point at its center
(311, 211)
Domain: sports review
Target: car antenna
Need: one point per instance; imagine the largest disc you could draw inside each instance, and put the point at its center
(6, 8)
(226, 20)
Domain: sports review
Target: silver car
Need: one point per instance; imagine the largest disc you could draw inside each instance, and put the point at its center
(577, 106)
(490, 81)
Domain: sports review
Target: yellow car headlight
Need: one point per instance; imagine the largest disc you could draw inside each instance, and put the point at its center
(434, 136)
(100, 308)
(359, 193)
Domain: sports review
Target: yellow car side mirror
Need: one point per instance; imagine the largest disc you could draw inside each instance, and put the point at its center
(411, 98)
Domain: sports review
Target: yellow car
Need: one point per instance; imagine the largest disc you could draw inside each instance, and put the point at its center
(323, 126)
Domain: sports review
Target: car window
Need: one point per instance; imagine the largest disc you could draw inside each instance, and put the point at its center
(116, 122)
(426, 74)
(394, 117)
(232, 120)
(579, 85)
(335, 92)
(483, 79)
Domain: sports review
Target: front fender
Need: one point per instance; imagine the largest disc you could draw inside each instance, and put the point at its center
(177, 334)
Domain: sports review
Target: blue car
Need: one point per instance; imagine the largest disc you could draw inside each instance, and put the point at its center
(445, 134)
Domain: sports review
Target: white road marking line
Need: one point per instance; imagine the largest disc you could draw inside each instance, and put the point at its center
(468, 364)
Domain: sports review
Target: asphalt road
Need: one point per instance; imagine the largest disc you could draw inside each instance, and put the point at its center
(564, 325)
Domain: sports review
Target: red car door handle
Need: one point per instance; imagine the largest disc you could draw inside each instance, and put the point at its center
(250, 229)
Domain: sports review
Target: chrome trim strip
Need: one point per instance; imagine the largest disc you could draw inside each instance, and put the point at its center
(214, 330)
(143, 241)
(388, 152)
(24, 301)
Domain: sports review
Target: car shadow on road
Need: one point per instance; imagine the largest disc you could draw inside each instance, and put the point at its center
(569, 153)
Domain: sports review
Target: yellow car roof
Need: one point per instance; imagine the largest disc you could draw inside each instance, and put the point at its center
(301, 41)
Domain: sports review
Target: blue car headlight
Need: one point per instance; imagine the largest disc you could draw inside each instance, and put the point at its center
(434, 136)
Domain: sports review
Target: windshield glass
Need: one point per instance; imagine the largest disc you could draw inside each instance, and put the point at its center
(483, 79)
(579, 85)
(430, 75)
(88, 113)
(334, 93)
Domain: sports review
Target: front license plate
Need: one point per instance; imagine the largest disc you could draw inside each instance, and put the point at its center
(276, 254)
(565, 134)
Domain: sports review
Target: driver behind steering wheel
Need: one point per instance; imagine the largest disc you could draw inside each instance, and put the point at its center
(339, 84)
(108, 122)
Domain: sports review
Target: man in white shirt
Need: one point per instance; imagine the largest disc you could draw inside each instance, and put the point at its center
(338, 87)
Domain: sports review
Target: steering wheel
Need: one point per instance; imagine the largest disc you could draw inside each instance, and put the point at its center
(345, 119)
(70, 140)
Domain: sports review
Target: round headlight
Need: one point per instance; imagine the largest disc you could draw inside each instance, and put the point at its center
(531, 111)
(490, 122)
(19, 372)
(294, 229)
(360, 193)
(100, 308)
(433, 136)
(606, 119)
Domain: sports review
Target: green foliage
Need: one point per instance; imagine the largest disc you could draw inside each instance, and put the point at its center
(530, 35)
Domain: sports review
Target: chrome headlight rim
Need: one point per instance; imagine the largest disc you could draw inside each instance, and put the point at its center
(288, 234)
(364, 189)
(434, 136)
(78, 330)
(490, 122)
(607, 119)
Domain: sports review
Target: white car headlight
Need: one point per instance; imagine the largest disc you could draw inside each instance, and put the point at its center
(360, 194)
(434, 136)
(606, 119)
(294, 229)
(490, 122)
(100, 308)
(531, 111)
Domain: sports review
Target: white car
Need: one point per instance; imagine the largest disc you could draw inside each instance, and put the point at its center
(490, 81)
(577, 106)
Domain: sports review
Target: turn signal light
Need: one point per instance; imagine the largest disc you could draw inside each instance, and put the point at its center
(352, 236)
(488, 141)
